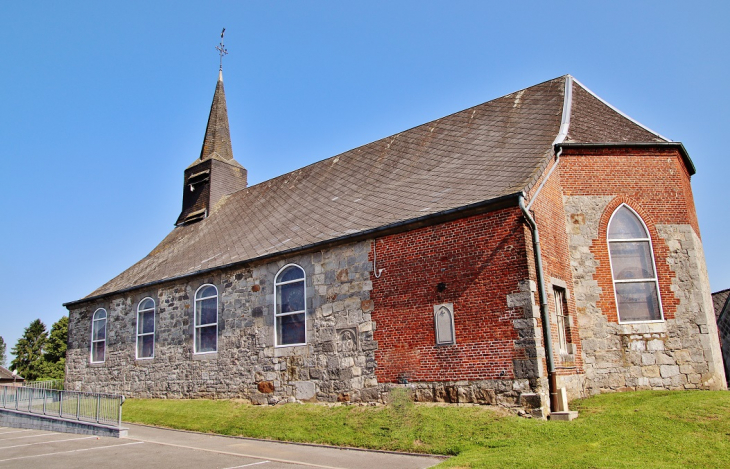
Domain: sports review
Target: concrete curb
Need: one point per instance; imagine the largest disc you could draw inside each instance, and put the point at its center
(15, 419)
(315, 445)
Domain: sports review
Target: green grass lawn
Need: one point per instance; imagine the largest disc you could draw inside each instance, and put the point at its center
(637, 429)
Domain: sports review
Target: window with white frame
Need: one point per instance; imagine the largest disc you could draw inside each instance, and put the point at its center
(561, 314)
(98, 336)
(206, 319)
(633, 268)
(146, 328)
(289, 309)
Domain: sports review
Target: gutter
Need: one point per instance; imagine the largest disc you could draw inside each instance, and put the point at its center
(397, 227)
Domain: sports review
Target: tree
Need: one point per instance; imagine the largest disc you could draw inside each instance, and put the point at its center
(28, 361)
(54, 357)
(3, 348)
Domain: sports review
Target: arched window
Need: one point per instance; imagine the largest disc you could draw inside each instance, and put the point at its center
(633, 269)
(206, 319)
(98, 336)
(146, 328)
(289, 308)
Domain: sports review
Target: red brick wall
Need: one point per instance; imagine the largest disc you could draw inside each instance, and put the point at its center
(655, 183)
(549, 213)
(481, 259)
(655, 178)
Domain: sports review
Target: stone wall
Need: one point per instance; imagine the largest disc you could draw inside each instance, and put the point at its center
(678, 353)
(337, 362)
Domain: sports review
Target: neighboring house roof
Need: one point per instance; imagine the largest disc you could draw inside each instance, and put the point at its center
(494, 150)
(7, 375)
(720, 301)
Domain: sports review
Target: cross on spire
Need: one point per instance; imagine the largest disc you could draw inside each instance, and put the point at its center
(221, 48)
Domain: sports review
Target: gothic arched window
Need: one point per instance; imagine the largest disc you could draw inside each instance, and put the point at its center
(632, 266)
(289, 309)
(98, 336)
(206, 320)
(146, 328)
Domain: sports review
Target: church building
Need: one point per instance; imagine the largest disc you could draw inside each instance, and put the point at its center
(535, 248)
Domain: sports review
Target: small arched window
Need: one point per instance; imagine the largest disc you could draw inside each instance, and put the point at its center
(633, 268)
(146, 328)
(290, 311)
(206, 320)
(98, 336)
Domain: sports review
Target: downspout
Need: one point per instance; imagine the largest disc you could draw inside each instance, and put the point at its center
(544, 311)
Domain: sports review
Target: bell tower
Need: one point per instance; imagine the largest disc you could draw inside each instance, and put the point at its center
(215, 173)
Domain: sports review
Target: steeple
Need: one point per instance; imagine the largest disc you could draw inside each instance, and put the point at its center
(215, 173)
(217, 141)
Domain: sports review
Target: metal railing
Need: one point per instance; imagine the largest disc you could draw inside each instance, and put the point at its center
(105, 409)
(47, 384)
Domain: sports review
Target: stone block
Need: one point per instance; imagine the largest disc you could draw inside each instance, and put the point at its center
(304, 390)
(655, 345)
(530, 400)
(664, 359)
(266, 387)
(667, 371)
(648, 359)
(485, 396)
(637, 345)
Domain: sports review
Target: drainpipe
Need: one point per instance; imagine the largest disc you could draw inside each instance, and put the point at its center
(544, 314)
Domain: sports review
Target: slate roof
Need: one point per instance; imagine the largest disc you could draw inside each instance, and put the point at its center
(719, 300)
(7, 375)
(217, 140)
(492, 150)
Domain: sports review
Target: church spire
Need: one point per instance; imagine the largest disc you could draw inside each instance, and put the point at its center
(215, 174)
(217, 141)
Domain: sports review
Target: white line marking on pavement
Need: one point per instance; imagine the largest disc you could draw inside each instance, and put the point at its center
(248, 465)
(18, 431)
(29, 436)
(47, 442)
(72, 451)
(286, 461)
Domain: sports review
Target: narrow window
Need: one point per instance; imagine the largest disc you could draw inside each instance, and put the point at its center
(206, 319)
(289, 310)
(146, 328)
(561, 312)
(633, 269)
(98, 336)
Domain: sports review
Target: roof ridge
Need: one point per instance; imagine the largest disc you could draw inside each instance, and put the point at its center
(622, 114)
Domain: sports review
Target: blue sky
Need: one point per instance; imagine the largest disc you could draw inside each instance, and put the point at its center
(103, 105)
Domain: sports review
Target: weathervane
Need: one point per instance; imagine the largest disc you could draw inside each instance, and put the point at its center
(221, 49)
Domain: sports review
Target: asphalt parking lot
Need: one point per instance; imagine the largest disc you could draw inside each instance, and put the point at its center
(154, 447)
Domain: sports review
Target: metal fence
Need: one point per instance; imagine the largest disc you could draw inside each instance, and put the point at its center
(47, 384)
(101, 408)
